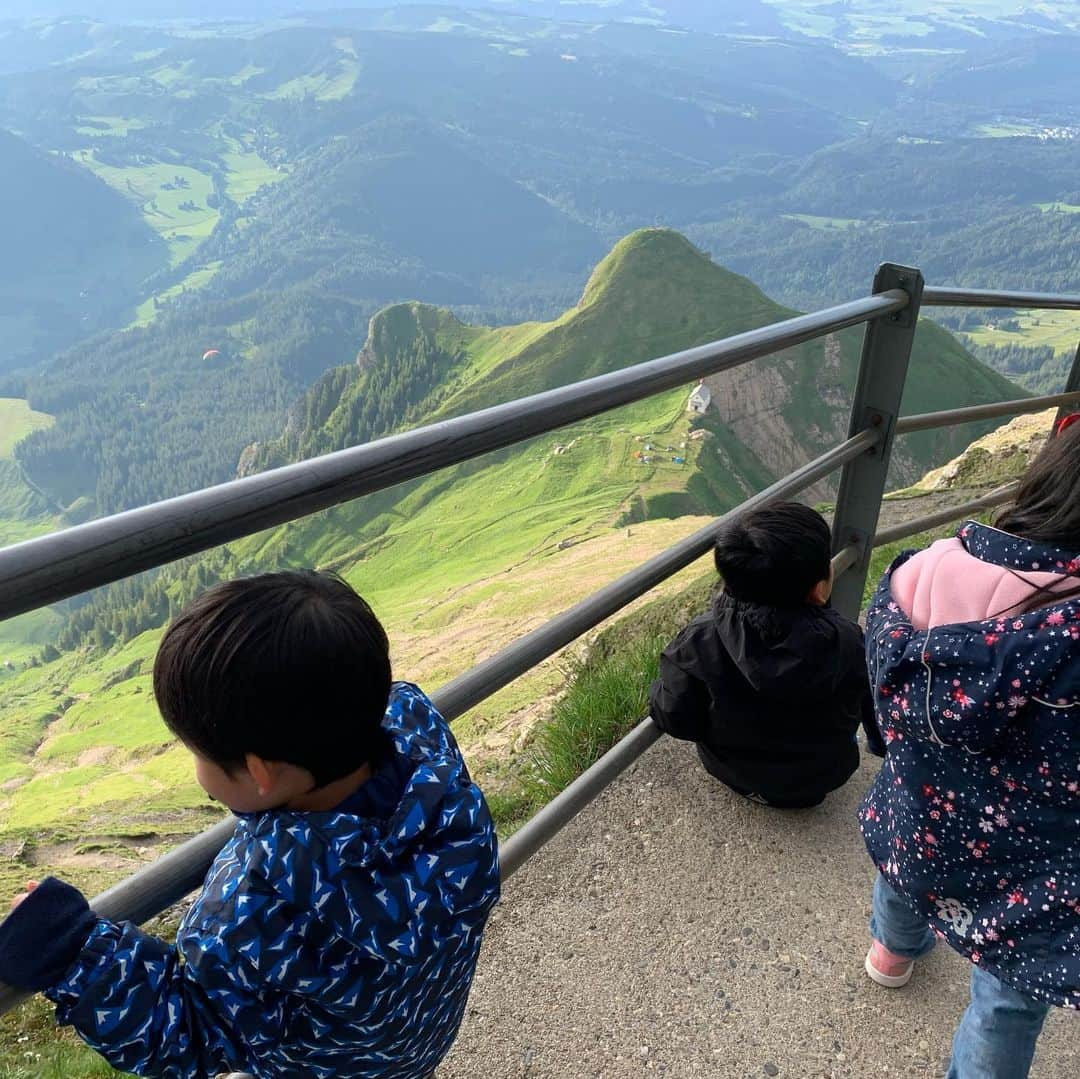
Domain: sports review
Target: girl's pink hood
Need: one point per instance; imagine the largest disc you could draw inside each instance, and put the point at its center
(944, 585)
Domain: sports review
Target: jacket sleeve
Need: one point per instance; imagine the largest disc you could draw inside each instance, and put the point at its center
(874, 740)
(42, 937)
(678, 702)
(858, 684)
(129, 997)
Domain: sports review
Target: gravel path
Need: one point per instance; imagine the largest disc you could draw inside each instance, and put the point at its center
(676, 929)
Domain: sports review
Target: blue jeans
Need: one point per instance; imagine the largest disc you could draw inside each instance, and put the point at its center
(996, 1037)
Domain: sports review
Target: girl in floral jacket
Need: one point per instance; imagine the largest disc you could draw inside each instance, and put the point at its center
(973, 647)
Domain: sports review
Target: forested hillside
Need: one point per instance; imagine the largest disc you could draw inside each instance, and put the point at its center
(143, 415)
(72, 250)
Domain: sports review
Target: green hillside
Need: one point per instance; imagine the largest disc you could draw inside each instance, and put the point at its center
(74, 253)
(654, 293)
(24, 512)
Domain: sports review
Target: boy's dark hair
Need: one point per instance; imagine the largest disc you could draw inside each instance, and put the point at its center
(292, 667)
(774, 555)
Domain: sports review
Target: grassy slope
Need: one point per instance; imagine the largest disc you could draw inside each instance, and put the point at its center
(1058, 329)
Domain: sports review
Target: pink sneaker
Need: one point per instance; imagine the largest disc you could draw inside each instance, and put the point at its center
(887, 969)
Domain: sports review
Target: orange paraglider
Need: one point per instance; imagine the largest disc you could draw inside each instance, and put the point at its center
(210, 353)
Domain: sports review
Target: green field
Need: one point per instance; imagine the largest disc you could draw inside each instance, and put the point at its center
(322, 86)
(247, 173)
(823, 223)
(162, 191)
(1005, 129)
(1058, 329)
(101, 126)
(146, 312)
(17, 420)
(1058, 208)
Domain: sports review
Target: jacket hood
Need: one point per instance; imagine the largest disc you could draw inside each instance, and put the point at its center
(780, 650)
(373, 866)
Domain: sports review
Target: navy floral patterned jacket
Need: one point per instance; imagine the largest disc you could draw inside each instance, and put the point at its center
(975, 815)
(335, 944)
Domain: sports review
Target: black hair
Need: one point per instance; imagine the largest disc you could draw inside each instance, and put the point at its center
(774, 555)
(292, 667)
(1047, 508)
(1047, 504)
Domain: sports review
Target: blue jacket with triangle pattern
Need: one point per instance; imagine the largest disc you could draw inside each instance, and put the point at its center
(323, 944)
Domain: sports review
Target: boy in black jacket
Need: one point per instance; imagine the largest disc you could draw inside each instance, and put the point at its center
(772, 682)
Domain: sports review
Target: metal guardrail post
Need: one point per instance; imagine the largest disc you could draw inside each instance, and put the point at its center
(878, 392)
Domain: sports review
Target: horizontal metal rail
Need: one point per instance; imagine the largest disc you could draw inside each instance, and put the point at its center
(41, 571)
(998, 497)
(988, 297)
(844, 559)
(562, 809)
(951, 417)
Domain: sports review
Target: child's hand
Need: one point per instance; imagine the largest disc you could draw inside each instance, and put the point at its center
(30, 886)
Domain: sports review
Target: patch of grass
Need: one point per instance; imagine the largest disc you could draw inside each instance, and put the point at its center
(247, 172)
(23, 512)
(325, 86)
(17, 420)
(112, 126)
(1058, 329)
(172, 198)
(147, 311)
(1005, 129)
(1058, 207)
(826, 223)
(43, 1052)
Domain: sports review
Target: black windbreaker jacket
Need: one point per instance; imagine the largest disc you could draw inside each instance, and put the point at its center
(773, 697)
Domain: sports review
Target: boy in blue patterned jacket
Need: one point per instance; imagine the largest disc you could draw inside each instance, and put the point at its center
(338, 931)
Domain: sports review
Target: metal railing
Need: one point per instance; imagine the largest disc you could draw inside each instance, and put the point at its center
(45, 570)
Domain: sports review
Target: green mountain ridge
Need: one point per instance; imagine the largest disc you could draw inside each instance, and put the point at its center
(654, 293)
